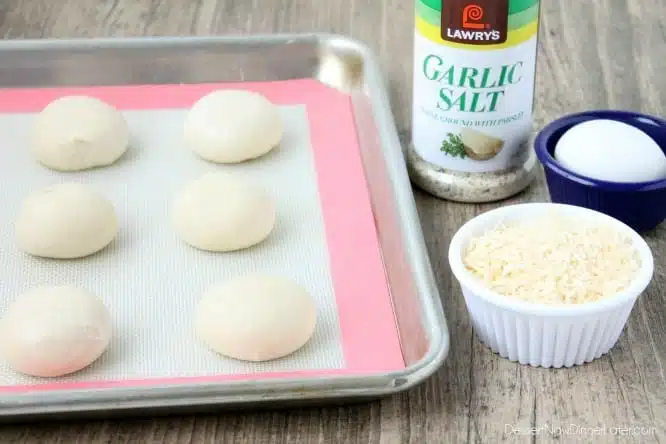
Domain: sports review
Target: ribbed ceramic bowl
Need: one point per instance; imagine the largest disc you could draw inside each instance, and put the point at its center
(540, 334)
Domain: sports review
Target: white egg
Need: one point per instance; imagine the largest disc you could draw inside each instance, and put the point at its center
(612, 151)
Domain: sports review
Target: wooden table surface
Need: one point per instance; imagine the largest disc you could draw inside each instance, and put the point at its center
(593, 54)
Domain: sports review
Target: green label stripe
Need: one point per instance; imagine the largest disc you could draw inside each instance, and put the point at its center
(515, 6)
(517, 20)
(429, 15)
(524, 17)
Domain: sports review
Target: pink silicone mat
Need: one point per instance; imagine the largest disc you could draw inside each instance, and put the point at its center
(370, 342)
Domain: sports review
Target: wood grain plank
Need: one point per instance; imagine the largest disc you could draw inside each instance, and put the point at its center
(30, 20)
(626, 387)
(601, 53)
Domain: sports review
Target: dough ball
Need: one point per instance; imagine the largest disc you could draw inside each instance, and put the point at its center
(65, 221)
(256, 318)
(54, 331)
(77, 133)
(220, 212)
(232, 126)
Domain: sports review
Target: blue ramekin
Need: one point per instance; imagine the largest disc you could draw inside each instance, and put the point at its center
(640, 205)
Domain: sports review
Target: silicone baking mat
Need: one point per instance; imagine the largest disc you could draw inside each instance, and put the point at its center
(325, 238)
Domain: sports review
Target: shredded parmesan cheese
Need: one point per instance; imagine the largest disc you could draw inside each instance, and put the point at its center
(553, 260)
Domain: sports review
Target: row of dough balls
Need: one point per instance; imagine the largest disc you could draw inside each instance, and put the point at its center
(76, 133)
(214, 213)
(218, 212)
(58, 330)
(252, 318)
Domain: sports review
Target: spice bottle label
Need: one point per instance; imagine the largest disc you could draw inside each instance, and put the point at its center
(474, 70)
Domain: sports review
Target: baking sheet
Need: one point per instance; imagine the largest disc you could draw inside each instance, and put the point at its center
(324, 237)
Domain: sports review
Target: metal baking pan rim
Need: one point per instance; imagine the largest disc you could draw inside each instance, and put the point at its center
(205, 394)
(396, 165)
(371, 385)
(163, 42)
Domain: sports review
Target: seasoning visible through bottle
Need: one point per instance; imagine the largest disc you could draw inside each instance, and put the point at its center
(474, 75)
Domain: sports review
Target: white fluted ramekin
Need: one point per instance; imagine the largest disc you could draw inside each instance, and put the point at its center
(540, 334)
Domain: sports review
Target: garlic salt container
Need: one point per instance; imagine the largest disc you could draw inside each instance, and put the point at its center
(473, 94)
(610, 161)
(549, 285)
